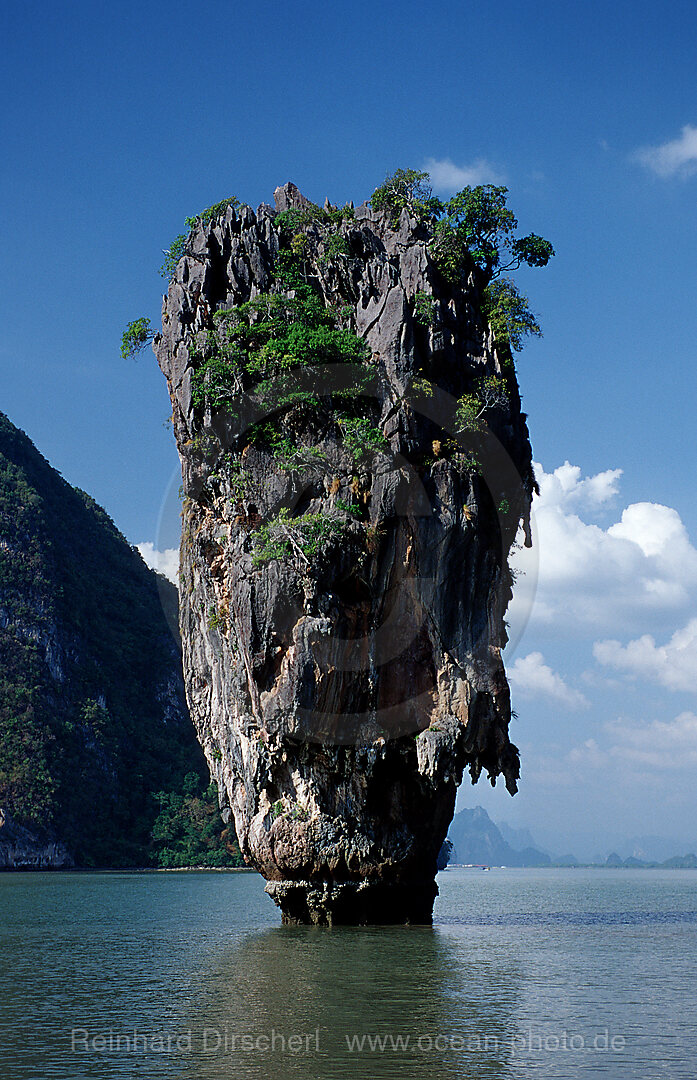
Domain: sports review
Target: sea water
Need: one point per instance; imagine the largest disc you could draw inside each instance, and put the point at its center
(190, 976)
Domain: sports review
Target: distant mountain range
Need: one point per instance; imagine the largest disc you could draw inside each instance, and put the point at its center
(478, 841)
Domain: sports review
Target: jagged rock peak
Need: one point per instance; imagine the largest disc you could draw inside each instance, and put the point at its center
(344, 571)
(289, 197)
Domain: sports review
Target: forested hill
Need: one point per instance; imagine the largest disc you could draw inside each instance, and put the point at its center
(95, 737)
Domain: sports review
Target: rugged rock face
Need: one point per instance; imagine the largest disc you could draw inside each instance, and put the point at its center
(339, 689)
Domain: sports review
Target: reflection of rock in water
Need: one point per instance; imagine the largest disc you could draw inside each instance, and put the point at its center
(396, 983)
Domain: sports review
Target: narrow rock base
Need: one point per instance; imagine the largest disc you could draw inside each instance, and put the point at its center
(354, 903)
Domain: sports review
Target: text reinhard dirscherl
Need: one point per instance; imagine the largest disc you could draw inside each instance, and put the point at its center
(212, 1040)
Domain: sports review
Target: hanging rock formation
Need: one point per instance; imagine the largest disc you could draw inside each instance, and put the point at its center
(342, 602)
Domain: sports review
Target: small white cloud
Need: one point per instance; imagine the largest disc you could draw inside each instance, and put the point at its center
(656, 529)
(673, 665)
(165, 562)
(675, 158)
(448, 177)
(662, 744)
(530, 677)
(589, 753)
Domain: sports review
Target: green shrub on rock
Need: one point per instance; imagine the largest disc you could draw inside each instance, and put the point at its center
(509, 314)
(406, 189)
(137, 335)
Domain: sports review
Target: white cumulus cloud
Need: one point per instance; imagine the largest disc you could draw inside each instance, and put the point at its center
(530, 677)
(567, 488)
(165, 562)
(678, 157)
(448, 177)
(673, 665)
(638, 573)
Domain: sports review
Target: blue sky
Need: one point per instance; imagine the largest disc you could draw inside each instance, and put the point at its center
(118, 123)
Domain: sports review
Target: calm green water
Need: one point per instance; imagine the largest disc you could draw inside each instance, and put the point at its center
(527, 973)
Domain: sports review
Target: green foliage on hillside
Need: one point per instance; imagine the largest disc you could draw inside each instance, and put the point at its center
(362, 437)
(188, 831)
(205, 217)
(92, 720)
(172, 254)
(295, 219)
(407, 189)
(488, 394)
(509, 314)
(306, 536)
(480, 220)
(475, 222)
(424, 309)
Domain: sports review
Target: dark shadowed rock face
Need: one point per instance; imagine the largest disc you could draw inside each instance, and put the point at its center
(21, 849)
(339, 695)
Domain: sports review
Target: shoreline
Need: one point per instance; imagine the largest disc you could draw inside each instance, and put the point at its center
(127, 869)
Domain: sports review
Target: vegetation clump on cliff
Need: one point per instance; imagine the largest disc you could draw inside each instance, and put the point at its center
(474, 227)
(136, 337)
(256, 343)
(255, 348)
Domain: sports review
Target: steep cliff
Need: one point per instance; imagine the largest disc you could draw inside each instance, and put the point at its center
(93, 720)
(347, 518)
